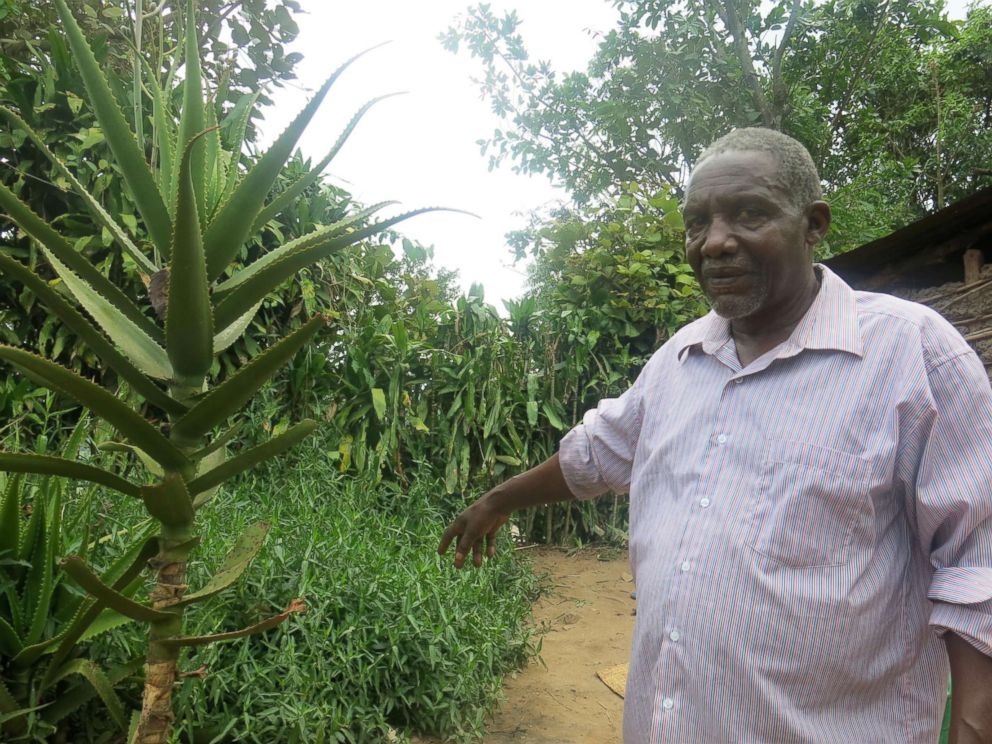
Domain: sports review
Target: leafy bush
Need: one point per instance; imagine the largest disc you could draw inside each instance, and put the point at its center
(393, 638)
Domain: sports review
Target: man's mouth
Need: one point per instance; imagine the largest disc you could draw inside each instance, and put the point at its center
(724, 278)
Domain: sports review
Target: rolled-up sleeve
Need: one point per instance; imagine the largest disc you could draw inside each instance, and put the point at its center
(954, 499)
(598, 455)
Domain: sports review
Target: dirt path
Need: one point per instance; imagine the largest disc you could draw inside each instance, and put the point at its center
(587, 622)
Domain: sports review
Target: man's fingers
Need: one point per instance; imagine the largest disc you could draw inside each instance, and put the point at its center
(454, 529)
(477, 553)
(491, 544)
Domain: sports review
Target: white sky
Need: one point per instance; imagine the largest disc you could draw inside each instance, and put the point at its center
(420, 148)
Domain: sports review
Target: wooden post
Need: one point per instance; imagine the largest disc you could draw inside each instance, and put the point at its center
(973, 260)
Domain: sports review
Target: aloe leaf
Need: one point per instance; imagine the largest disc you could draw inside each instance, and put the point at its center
(235, 330)
(266, 280)
(150, 465)
(92, 337)
(239, 116)
(47, 465)
(231, 226)
(78, 696)
(10, 640)
(219, 441)
(119, 136)
(295, 606)
(122, 573)
(189, 321)
(228, 397)
(94, 206)
(215, 163)
(165, 144)
(134, 343)
(275, 446)
(90, 582)
(99, 681)
(169, 503)
(42, 232)
(242, 554)
(129, 156)
(42, 579)
(297, 244)
(10, 517)
(136, 429)
(288, 196)
(192, 120)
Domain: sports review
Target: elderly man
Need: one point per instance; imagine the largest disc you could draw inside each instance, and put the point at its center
(810, 479)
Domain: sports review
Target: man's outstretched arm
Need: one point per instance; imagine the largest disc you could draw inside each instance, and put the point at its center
(543, 484)
(971, 694)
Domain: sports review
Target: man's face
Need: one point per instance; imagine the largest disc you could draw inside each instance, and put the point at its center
(748, 245)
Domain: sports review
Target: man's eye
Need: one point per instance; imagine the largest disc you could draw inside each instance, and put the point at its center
(751, 214)
(693, 223)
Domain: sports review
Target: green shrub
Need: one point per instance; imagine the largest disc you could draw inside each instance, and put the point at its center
(393, 639)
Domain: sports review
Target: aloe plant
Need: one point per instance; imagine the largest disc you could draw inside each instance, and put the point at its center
(198, 209)
(42, 623)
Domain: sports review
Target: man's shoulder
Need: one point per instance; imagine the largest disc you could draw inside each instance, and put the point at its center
(893, 320)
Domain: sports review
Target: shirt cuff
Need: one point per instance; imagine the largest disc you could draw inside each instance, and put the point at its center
(578, 465)
(963, 604)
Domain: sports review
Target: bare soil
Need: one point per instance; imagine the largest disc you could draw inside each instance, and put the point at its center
(586, 624)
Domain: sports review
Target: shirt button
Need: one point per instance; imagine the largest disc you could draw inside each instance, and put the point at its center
(704, 502)
(685, 566)
(739, 380)
(722, 439)
(667, 703)
(674, 635)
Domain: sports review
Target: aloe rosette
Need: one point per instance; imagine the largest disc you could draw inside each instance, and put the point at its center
(198, 209)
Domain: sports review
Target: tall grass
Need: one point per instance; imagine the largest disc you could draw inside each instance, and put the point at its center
(394, 639)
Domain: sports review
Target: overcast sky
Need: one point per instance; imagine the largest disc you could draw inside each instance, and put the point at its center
(421, 148)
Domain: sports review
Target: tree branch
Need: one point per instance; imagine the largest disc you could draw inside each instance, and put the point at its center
(728, 13)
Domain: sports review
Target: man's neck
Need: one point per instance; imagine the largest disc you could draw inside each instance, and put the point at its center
(755, 336)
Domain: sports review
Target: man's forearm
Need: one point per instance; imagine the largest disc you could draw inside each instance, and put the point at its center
(542, 484)
(971, 695)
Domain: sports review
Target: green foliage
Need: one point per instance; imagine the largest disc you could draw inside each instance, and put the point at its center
(43, 619)
(880, 91)
(196, 209)
(393, 639)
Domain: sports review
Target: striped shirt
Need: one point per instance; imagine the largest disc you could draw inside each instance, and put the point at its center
(803, 529)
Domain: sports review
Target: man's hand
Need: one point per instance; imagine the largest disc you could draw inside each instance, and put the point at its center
(543, 484)
(481, 521)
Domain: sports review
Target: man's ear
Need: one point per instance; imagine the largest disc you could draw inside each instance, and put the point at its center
(817, 222)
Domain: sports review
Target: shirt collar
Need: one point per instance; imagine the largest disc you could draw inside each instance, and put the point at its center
(830, 323)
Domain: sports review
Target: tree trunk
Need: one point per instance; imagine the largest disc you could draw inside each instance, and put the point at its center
(161, 661)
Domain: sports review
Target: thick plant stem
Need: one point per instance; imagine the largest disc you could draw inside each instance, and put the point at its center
(161, 661)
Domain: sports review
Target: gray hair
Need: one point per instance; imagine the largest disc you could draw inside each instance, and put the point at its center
(794, 162)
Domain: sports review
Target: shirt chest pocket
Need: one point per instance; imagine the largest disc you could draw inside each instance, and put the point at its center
(812, 505)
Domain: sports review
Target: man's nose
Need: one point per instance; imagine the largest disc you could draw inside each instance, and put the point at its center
(720, 239)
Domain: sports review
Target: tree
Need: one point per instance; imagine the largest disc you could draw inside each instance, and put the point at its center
(884, 93)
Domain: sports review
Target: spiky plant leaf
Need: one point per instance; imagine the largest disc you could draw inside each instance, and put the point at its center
(78, 696)
(94, 206)
(10, 517)
(238, 117)
(309, 240)
(189, 319)
(193, 120)
(274, 447)
(295, 606)
(169, 502)
(129, 156)
(293, 191)
(42, 578)
(241, 555)
(165, 137)
(136, 429)
(235, 330)
(15, 462)
(92, 337)
(42, 232)
(150, 465)
(236, 302)
(228, 398)
(99, 681)
(131, 340)
(107, 596)
(231, 226)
